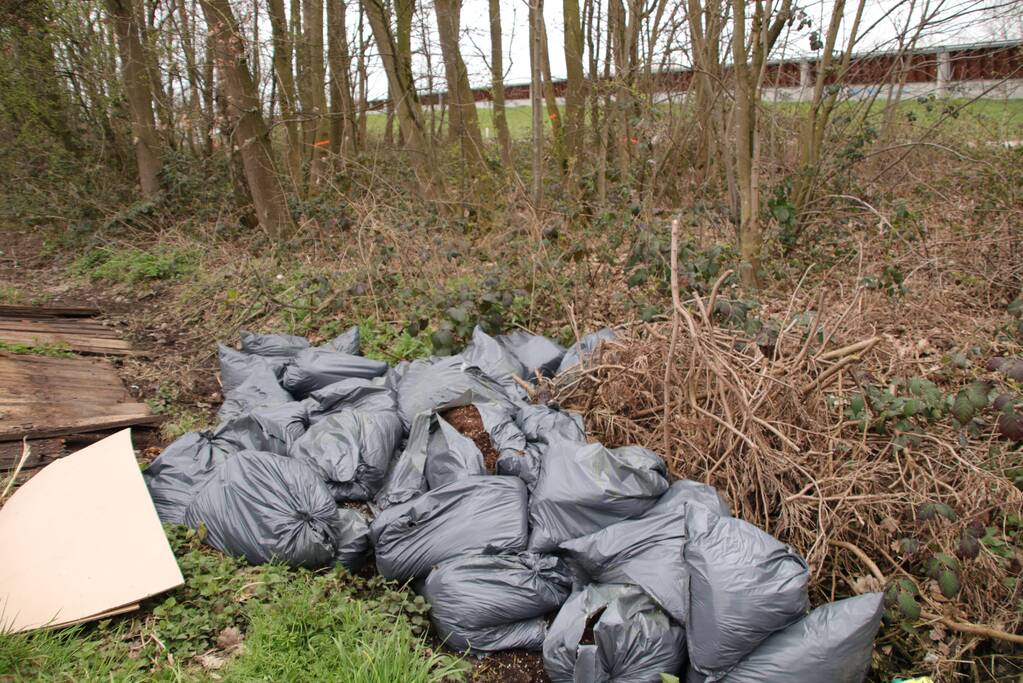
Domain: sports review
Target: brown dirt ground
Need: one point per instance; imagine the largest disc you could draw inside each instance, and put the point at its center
(467, 420)
(513, 666)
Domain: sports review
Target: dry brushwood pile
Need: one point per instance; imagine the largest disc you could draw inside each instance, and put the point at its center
(769, 424)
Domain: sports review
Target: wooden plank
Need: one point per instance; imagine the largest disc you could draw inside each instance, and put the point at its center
(51, 311)
(82, 425)
(42, 453)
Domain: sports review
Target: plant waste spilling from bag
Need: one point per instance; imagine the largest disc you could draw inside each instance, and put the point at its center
(519, 532)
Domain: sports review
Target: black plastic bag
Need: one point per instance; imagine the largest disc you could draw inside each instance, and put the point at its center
(686, 491)
(260, 390)
(832, 643)
(580, 352)
(348, 342)
(371, 395)
(314, 369)
(353, 548)
(615, 633)
(263, 507)
(646, 552)
(534, 352)
(175, 476)
(487, 603)
(351, 449)
(273, 345)
(274, 430)
(744, 585)
(585, 487)
(491, 356)
(237, 366)
(475, 515)
(434, 384)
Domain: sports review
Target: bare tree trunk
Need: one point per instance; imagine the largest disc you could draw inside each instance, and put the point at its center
(464, 120)
(535, 87)
(284, 72)
(140, 98)
(557, 130)
(342, 108)
(363, 97)
(314, 100)
(252, 136)
(403, 96)
(574, 86)
(497, 84)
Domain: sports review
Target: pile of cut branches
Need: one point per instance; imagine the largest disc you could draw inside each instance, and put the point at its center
(768, 423)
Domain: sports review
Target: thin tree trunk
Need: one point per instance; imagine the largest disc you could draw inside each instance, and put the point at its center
(535, 89)
(363, 97)
(284, 73)
(342, 108)
(574, 86)
(464, 119)
(252, 136)
(557, 130)
(497, 84)
(314, 101)
(137, 88)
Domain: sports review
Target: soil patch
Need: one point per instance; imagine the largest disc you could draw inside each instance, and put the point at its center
(467, 420)
(513, 666)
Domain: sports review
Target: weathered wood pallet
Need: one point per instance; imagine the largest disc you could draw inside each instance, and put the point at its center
(73, 327)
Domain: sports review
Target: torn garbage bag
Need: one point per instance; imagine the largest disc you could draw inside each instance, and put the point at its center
(273, 345)
(833, 643)
(351, 449)
(432, 384)
(486, 603)
(612, 633)
(466, 516)
(743, 584)
(585, 487)
(315, 369)
(263, 507)
(584, 348)
(537, 354)
(353, 547)
(260, 390)
(646, 552)
(436, 453)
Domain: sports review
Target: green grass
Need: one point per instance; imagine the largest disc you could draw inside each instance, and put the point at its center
(10, 295)
(38, 348)
(296, 625)
(132, 265)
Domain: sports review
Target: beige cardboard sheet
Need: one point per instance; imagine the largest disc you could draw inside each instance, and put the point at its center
(81, 539)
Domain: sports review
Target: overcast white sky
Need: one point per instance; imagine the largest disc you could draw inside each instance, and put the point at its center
(957, 21)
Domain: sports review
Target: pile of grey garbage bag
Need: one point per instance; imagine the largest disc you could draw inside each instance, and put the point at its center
(585, 552)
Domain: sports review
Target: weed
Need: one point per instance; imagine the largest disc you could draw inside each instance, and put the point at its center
(132, 265)
(10, 295)
(38, 348)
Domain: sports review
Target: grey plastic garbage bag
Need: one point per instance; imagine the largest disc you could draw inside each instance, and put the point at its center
(609, 633)
(353, 547)
(584, 348)
(585, 487)
(274, 429)
(371, 395)
(546, 424)
(490, 356)
(487, 603)
(432, 384)
(263, 507)
(236, 366)
(315, 369)
(833, 643)
(279, 345)
(467, 516)
(437, 454)
(348, 341)
(534, 352)
(744, 585)
(260, 390)
(175, 476)
(687, 491)
(646, 552)
(351, 449)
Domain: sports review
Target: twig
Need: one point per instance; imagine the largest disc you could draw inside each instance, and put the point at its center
(26, 451)
(863, 345)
